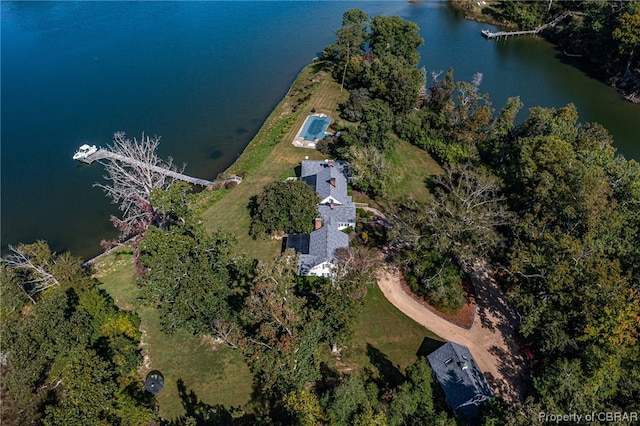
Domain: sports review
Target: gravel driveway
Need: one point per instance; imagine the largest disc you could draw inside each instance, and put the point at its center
(490, 338)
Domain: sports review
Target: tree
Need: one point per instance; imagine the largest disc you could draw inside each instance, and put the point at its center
(628, 34)
(392, 35)
(341, 298)
(191, 276)
(498, 149)
(306, 406)
(350, 42)
(288, 207)
(377, 122)
(458, 118)
(352, 109)
(370, 172)
(353, 401)
(131, 183)
(283, 335)
(466, 213)
(87, 383)
(72, 357)
(34, 262)
(413, 401)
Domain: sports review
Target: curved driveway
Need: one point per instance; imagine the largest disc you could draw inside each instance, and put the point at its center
(490, 338)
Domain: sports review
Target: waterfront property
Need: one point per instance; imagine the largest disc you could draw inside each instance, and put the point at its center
(312, 131)
(464, 385)
(336, 213)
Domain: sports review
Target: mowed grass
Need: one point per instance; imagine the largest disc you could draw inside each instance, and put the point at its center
(412, 167)
(216, 375)
(383, 329)
(231, 213)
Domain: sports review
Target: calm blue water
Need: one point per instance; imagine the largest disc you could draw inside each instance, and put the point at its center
(204, 76)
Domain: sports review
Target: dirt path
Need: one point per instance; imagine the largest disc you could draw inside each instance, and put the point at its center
(490, 339)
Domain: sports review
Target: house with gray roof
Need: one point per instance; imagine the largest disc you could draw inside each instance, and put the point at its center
(343, 216)
(464, 385)
(317, 249)
(329, 179)
(336, 212)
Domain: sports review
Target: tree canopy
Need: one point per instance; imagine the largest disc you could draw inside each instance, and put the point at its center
(71, 357)
(288, 207)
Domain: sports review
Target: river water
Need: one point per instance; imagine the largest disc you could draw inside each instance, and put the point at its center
(204, 76)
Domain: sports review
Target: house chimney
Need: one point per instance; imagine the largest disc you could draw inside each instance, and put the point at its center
(331, 206)
(317, 223)
(332, 181)
(330, 163)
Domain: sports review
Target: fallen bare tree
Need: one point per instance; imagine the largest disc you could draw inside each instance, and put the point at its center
(35, 262)
(130, 183)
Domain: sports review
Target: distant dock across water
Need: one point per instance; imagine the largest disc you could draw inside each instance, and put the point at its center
(497, 35)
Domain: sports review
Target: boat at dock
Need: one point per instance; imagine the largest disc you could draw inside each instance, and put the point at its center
(84, 151)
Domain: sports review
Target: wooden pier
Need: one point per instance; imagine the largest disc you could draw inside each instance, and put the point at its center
(103, 154)
(493, 35)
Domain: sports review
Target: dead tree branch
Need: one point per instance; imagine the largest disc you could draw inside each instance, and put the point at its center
(38, 278)
(130, 184)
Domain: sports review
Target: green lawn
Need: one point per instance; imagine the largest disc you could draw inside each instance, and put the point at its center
(412, 167)
(384, 331)
(217, 376)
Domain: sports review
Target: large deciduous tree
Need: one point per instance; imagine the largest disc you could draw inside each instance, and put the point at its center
(341, 298)
(284, 335)
(288, 207)
(370, 172)
(190, 275)
(467, 210)
(441, 240)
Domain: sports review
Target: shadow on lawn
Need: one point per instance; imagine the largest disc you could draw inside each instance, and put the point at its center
(427, 346)
(390, 375)
(201, 413)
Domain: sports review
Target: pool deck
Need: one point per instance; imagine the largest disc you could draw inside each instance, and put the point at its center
(299, 141)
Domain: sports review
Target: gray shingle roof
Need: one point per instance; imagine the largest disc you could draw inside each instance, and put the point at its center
(461, 385)
(339, 214)
(327, 180)
(310, 167)
(323, 244)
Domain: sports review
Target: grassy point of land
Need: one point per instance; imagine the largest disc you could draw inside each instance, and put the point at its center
(271, 156)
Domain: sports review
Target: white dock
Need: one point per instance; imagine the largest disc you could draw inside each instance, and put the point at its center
(102, 154)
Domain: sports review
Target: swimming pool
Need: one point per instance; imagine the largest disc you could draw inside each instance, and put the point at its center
(314, 127)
